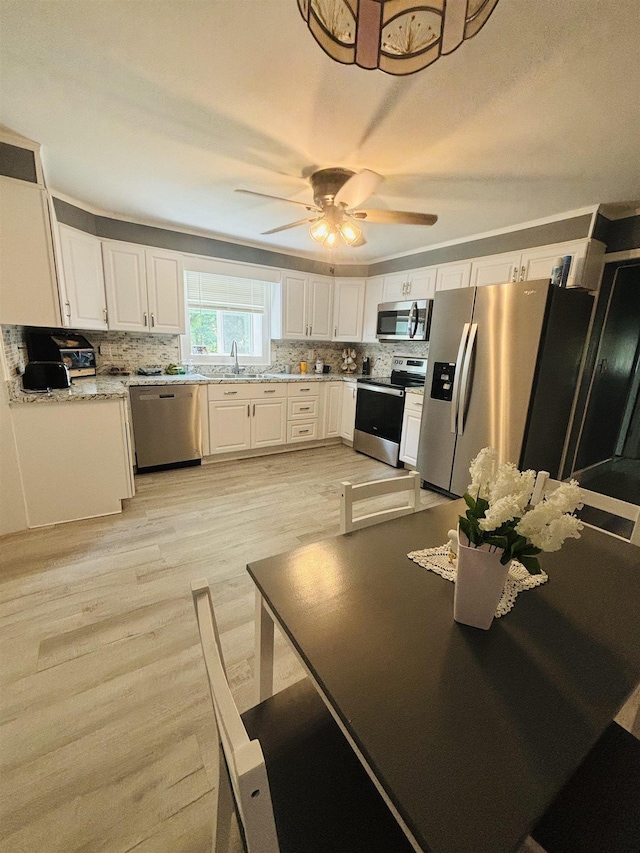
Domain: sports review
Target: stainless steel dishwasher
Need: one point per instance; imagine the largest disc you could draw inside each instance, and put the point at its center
(166, 425)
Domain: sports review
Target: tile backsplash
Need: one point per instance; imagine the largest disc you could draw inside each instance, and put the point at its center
(129, 351)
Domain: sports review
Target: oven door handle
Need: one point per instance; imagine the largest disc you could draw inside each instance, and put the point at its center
(455, 394)
(380, 389)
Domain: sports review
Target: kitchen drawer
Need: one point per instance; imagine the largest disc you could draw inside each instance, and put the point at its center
(303, 389)
(302, 431)
(413, 402)
(303, 409)
(247, 390)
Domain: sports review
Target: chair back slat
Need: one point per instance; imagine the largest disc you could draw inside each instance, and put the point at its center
(612, 506)
(244, 757)
(354, 493)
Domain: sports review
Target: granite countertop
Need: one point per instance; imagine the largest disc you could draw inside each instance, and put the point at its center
(113, 387)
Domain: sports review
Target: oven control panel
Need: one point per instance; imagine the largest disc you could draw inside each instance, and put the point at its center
(442, 385)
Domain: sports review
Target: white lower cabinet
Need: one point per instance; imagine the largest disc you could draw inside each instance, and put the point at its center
(348, 417)
(247, 416)
(411, 429)
(86, 443)
(333, 409)
(303, 411)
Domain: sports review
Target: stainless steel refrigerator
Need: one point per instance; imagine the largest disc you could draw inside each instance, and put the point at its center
(503, 367)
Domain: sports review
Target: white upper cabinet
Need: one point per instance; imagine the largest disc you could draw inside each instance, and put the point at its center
(320, 305)
(28, 283)
(348, 309)
(165, 291)
(495, 269)
(372, 298)
(307, 307)
(416, 284)
(145, 288)
(126, 285)
(82, 281)
(422, 283)
(451, 276)
(539, 263)
(394, 287)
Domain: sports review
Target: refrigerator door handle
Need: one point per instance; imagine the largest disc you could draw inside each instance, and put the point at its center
(456, 379)
(464, 382)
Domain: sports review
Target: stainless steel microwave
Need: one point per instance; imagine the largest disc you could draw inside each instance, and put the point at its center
(404, 321)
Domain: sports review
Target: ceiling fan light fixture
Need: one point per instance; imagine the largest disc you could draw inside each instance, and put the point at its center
(331, 239)
(350, 233)
(319, 230)
(374, 34)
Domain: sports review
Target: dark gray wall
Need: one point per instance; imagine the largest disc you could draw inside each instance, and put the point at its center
(575, 228)
(18, 163)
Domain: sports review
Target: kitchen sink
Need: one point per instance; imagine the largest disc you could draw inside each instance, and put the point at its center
(232, 376)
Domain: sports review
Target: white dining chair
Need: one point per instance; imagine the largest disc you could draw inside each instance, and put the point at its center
(352, 494)
(286, 771)
(612, 506)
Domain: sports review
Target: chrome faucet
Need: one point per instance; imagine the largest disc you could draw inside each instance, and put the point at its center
(234, 354)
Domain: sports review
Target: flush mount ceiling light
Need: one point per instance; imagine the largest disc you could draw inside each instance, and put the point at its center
(397, 36)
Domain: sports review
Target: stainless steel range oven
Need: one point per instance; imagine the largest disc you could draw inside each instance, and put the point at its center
(380, 406)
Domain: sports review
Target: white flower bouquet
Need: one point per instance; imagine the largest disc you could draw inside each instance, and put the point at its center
(507, 511)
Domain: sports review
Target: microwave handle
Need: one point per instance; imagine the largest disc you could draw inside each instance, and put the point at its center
(413, 320)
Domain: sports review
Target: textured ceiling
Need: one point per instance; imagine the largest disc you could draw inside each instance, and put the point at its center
(157, 111)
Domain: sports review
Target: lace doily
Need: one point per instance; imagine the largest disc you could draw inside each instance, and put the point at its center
(437, 560)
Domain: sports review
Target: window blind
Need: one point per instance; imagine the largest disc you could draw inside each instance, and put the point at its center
(205, 290)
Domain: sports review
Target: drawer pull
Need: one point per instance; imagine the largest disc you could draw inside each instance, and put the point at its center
(228, 393)
(305, 408)
(303, 431)
(270, 391)
(305, 389)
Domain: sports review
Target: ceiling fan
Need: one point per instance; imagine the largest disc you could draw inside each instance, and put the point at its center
(337, 196)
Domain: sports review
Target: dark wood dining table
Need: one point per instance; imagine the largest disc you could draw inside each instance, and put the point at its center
(469, 735)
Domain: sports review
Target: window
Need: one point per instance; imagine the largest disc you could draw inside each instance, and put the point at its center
(222, 309)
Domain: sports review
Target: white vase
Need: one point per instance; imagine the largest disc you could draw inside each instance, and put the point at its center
(479, 584)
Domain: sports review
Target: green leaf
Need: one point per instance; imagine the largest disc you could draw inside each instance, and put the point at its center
(531, 564)
(481, 507)
(469, 501)
(465, 526)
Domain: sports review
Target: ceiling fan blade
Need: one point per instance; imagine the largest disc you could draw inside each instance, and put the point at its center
(358, 188)
(395, 217)
(290, 225)
(279, 198)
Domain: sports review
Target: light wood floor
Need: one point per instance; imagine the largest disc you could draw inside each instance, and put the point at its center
(106, 741)
(106, 737)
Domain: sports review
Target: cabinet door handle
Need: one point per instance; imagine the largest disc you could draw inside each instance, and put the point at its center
(514, 274)
(335, 331)
(68, 307)
(145, 319)
(153, 321)
(248, 410)
(306, 330)
(254, 410)
(408, 287)
(522, 274)
(310, 330)
(106, 315)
